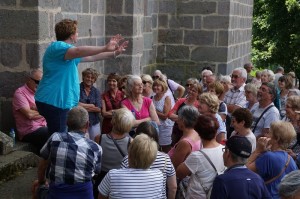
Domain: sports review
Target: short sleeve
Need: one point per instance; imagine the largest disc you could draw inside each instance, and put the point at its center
(170, 171)
(104, 186)
(173, 85)
(270, 117)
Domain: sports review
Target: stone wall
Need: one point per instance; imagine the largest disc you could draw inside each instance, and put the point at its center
(179, 37)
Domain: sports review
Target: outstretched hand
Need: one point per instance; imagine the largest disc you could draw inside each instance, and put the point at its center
(122, 48)
(113, 44)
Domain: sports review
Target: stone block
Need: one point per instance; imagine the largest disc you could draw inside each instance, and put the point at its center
(173, 71)
(199, 37)
(85, 6)
(29, 3)
(10, 81)
(161, 54)
(195, 7)
(14, 28)
(213, 54)
(148, 41)
(84, 23)
(97, 26)
(32, 54)
(181, 22)
(43, 25)
(114, 6)
(86, 42)
(163, 21)
(167, 6)
(113, 25)
(7, 2)
(154, 21)
(6, 144)
(170, 36)
(10, 54)
(146, 58)
(135, 7)
(52, 4)
(71, 5)
(216, 22)
(150, 7)
(147, 25)
(198, 22)
(222, 69)
(224, 8)
(97, 6)
(177, 52)
(223, 38)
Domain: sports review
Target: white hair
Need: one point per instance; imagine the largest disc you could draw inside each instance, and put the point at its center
(242, 71)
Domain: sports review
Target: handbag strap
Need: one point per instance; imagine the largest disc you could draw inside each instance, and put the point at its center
(208, 159)
(118, 147)
(261, 117)
(283, 169)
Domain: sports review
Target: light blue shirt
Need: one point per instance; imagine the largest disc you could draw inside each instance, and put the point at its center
(59, 86)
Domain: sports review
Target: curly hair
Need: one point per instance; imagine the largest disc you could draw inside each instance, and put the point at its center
(211, 101)
(65, 28)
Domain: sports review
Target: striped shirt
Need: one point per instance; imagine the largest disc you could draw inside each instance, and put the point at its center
(163, 163)
(74, 158)
(236, 97)
(132, 183)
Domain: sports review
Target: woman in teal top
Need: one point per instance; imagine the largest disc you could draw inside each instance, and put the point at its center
(58, 90)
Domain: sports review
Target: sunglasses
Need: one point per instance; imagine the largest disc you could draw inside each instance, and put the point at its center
(155, 77)
(145, 82)
(235, 76)
(35, 81)
(188, 85)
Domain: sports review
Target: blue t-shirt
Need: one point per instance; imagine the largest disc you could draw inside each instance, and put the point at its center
(270, 164)
(239, 183)
(59, 86)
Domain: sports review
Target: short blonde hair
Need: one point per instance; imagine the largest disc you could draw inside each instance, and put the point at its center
(252, 88)
(271, 75)
(122, 121)
(219, 88)
(161, 82)
(211, 100)
(142, 152)
(283, 132)
(294, 101)
(147, 78)
(91, 71)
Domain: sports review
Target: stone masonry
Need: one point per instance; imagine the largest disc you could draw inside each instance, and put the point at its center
(179, 37)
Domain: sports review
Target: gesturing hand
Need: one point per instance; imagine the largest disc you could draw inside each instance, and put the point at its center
(113, 44)
(263, 144)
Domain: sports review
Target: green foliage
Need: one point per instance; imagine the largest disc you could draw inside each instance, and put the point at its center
(276, 34)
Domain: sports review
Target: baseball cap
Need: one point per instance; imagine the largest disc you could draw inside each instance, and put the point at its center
(240, 146)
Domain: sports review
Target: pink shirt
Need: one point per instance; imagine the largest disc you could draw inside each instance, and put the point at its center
(196, 146)
(24, 98)
(144, 112)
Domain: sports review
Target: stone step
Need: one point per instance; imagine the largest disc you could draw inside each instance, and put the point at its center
(16, 162)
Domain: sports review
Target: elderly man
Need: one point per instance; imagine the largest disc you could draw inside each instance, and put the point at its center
(172, 86)
(73, 159)
(238, 181)
(31, 126)
(264, 112)
(289, 187)
(235, 97)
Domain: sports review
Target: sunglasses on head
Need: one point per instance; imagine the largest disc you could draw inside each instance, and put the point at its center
(35, 81)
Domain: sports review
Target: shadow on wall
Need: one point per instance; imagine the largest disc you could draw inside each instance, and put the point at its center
(6, 116)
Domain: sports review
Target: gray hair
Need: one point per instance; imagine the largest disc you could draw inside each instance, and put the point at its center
(252, 88)
(270, 74)
(238, 159)
(161, 75)
(225, 78)
(206, 71)
(189, 115)
(77, 118)
(130, 83)
(193, 80)
(32, 71)
(242, 71)
(290, 184)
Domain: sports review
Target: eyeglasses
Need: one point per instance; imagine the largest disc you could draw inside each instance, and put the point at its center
(155, 77)
(145, 82)
(188, 85)
(35, 81)
(235, 76)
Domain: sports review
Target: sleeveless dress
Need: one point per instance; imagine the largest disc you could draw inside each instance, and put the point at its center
(166, 126)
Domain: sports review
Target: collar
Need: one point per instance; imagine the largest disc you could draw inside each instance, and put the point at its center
(236, 166)
(240, 89)
(79, 133)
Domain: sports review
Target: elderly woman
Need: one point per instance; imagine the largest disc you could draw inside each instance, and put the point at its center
(116, 143)
(137, 181)
(147, 82)
(90, 100)
(162, 104)
(270, 160)
(289, 187)
(251, 95)
(190, 82)
(241, 121)
(111, 100)
(217, 89)
(269, 76)
(190, 140)
(208, 105)
(142, 107)
(193, 92)
(225, 80)
(162, 161)
(197, 165)
(285, 83)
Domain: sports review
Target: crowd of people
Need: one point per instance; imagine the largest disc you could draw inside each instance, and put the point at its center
(150, 137)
